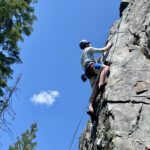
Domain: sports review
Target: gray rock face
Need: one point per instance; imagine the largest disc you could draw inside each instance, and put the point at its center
(124, 108)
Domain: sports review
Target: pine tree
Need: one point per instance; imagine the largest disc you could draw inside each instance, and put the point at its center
(16, 20)
(26, 142)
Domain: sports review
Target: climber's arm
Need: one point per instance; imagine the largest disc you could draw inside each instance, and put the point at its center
(107, 47)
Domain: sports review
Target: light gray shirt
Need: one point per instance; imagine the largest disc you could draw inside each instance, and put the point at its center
(88, 55)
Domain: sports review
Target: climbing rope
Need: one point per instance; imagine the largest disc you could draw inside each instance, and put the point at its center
(78, 125)
(116, 40)
(106, 55)
(118, 33)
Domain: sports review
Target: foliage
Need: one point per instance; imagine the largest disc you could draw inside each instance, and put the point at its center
(26, 141)
(16, 20)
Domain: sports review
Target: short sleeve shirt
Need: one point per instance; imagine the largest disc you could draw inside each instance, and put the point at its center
(88, 55)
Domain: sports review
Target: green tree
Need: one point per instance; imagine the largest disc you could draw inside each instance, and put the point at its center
(26, 142)
(16, 20)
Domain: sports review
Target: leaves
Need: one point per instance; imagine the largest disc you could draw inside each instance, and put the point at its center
(26, 142)
(16, 20)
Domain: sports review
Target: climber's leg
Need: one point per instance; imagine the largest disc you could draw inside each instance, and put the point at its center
(92, 101)
(93, 97)
(100, 82)
(102, 78)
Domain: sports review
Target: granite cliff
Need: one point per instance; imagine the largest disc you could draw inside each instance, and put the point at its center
(123, 110)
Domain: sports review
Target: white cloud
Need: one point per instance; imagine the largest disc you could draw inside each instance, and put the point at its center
(45, 97)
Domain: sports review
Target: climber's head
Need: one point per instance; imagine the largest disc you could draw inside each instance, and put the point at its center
(84, 43)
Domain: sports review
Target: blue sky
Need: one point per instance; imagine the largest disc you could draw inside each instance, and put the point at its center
(51, 92)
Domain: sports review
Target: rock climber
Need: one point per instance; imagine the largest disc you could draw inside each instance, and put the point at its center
(92, 68)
